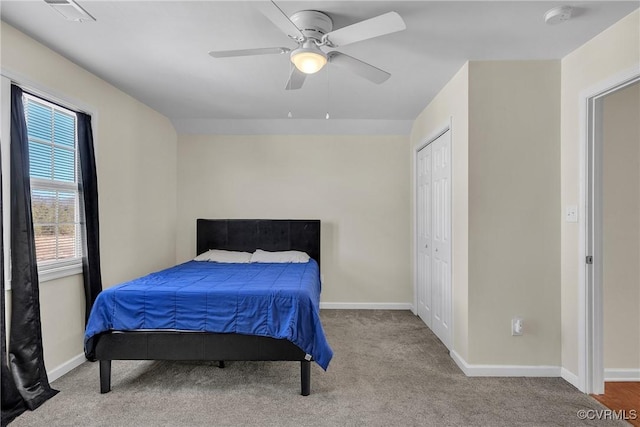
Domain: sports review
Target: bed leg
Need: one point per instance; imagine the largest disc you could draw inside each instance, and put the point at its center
(221, 364)
(105, 376)
(305, 377)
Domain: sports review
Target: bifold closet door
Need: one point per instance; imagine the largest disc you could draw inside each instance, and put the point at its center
(424, 243)
(434, 236)
(441, 238)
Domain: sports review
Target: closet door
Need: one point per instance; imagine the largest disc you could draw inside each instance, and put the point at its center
(433, 211)
(441, 238)
(423, 211)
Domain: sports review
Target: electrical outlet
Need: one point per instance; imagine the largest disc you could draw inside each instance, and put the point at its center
(517, 326)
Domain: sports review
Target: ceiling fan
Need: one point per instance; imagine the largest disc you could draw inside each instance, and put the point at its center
(313, 31)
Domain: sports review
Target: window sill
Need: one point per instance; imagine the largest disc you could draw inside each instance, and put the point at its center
(52, 273)
(46, 275)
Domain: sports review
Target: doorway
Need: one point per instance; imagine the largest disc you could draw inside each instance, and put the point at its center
(592, 232)
(433, 235)
(621, 233)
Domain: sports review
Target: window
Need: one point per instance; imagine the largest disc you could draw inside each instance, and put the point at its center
(55, 198)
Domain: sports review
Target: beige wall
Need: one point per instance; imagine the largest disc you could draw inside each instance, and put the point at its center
(451, 105)
(514, 205)
(357, 185)
(621, 222)
(614, 50)
(62, 316)
(506, 177)
(136, 164)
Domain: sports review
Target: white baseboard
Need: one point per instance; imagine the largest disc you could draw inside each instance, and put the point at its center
(570, 377)
(366, 305)
(504, 370)
(67, 366)
(622, 374)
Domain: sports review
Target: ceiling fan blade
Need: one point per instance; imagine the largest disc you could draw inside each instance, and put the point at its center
(388, 23)
(249, 52)
(280, 20)
(296, 79)
(368, 71)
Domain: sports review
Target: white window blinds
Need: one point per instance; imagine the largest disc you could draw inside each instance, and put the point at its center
(53, 167)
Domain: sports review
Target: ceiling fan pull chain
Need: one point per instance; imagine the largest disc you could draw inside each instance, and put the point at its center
(328, 93)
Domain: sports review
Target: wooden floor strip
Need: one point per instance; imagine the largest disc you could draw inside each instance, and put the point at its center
(622, 396)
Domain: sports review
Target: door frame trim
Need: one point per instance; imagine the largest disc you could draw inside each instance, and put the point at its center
(590, 286)
(440, 130)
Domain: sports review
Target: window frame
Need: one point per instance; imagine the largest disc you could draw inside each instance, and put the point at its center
(54, 269)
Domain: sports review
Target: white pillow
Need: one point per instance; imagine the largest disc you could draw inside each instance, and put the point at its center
(280, 257)
(218, 255)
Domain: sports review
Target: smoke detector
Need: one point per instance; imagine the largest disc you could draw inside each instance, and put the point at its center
(558, 15)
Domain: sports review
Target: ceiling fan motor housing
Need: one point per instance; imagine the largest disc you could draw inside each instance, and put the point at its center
(312, 24)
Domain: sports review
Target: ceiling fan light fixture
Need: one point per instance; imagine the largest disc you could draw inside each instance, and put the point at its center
(313, 31)
(309, 58)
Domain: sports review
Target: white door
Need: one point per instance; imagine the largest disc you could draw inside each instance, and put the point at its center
(434, 236)
(424, 167)
(441, 237)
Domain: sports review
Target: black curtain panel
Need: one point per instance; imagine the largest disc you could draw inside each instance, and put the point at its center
(12, 403)
(26, 359)
(89, 190)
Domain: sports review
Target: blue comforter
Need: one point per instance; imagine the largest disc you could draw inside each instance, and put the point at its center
(273, 300)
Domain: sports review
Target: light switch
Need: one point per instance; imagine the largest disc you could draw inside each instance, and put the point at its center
(571, 214)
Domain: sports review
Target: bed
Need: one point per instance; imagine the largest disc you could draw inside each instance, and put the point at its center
(298, 337)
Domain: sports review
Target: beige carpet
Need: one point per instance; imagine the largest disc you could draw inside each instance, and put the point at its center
(388, 370)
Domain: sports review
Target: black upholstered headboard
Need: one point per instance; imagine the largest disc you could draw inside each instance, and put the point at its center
(266, 234)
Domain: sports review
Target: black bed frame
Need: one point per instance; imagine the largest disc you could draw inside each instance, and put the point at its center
(229, 234)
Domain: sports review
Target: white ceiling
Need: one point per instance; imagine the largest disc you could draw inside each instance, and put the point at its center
(156, 51)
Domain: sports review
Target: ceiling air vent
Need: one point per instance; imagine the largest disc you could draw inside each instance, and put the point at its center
(70, 10)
